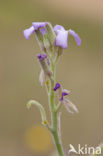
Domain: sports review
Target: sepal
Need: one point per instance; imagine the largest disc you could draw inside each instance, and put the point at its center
(39, 38)
(42, 78)
(46, 41)
(51, 33)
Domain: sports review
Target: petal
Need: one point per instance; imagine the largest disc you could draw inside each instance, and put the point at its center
(57, 86)
(75, 35)
(38, 25)
(58, 27)
(42, 56)
(62, 39)
(28, 32)
(64, 93)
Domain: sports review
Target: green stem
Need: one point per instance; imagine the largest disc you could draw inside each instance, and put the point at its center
(54, 116)
(56, 136)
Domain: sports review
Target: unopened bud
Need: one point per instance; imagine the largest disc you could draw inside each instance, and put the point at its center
(44, 64)
(41, 108)
(39, 37)
(51, 33)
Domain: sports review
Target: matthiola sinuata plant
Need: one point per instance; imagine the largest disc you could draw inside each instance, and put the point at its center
(52, 42)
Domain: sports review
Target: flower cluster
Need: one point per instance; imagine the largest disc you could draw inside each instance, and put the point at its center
(62, 93)
(52, 42)
(52, 38)
(61, 38)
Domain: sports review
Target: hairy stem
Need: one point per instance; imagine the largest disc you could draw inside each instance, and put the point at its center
(54, 116)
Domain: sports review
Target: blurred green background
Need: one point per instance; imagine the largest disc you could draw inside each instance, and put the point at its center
(80, 70)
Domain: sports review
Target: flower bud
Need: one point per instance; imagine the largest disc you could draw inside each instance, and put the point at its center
(39, 37)
(41, 108)
(51, 33)
(44, 64)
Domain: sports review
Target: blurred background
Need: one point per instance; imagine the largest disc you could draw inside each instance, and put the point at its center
(80, 70)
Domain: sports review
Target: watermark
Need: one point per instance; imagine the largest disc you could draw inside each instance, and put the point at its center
(84, 149)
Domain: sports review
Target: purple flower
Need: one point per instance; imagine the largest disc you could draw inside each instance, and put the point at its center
(64, 94)
(70, 107)
(35, 26)
(61, 92)
(62, 36)
(41, 56)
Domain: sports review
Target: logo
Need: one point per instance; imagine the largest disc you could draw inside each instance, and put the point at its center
(84, 149)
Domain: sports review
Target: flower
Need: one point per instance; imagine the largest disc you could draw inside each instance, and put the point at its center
(70, 107)
(61, 92)
(57, 35)
(62, 36)
(35, 26)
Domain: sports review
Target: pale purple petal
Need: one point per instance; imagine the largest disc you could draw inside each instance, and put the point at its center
(62, 39)
(28, 32)
(58, 27)
(75, 35)
(38, 25)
